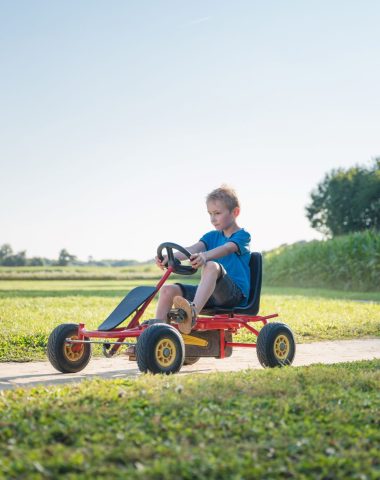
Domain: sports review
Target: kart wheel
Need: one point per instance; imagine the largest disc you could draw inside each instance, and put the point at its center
(66, 357)
(191, 360)
(275, 345)
(160, 349)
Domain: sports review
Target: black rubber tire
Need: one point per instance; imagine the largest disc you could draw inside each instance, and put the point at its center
(57, 353)
(269, 345)
(150, 340)
(191, 360)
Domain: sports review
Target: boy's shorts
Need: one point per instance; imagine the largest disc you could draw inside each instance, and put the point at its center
(226, 293)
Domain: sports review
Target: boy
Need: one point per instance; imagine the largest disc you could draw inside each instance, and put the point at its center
(223, 255)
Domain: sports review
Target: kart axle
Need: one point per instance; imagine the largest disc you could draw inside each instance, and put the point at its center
(68, 340)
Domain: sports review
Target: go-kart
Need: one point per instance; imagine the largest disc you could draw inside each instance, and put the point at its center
(160, 347)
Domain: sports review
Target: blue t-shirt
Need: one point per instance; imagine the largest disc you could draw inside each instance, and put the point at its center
(236, 264)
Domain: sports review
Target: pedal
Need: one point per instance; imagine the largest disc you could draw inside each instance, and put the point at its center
(177, 315)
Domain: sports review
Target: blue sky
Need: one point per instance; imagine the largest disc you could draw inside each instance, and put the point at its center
(118, 117)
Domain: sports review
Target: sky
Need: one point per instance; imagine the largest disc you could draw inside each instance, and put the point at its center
(118, 117)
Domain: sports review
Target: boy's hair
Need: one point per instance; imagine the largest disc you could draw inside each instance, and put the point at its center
(225, 194)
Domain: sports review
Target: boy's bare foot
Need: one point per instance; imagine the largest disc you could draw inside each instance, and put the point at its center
(191, 314)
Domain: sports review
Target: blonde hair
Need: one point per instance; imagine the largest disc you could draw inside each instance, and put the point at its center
(225, 194)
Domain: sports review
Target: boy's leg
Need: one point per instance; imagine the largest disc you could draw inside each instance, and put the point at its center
(210, 274)
(165, 301)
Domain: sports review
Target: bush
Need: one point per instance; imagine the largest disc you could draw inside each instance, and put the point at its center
(350, 262)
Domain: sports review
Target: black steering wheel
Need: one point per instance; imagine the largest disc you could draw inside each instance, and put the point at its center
(174, 262)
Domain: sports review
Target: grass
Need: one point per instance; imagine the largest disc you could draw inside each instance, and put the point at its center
(138, 272)
(349, 262)
(317, 422)
(29, 310)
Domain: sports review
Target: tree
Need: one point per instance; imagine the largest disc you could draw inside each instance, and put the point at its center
(346, 201)
(8, 259)
(16, 260)
(65, 258)
(5, 251)
(36, 262)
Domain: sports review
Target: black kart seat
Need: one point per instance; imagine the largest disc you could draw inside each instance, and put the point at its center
(253, 305)
(127, 306)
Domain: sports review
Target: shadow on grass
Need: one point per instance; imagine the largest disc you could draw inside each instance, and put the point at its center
(322, 293)
(45, 379)
(62, 293)
(51, 378)
(120, 293)
(105, 291)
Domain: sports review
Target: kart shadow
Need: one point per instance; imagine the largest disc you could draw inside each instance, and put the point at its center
(63, 293)
(46, 379)
(49, 379)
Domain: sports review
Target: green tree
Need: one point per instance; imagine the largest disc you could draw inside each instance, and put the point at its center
(346, 201)
(36, 262)
(65, 258)
(5, 251)
(16, 260)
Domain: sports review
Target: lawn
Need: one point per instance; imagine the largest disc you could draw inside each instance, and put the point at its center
(30, 309)
(317, 422)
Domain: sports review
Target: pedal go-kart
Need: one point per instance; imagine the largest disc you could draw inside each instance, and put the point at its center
(160, 347)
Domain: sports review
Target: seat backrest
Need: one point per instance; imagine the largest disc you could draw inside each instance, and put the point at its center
(253, 305)
(256, 270)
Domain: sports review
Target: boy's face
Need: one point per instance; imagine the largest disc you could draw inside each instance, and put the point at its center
(220, 215)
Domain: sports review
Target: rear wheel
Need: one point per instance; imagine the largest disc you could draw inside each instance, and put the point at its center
(160, 349)
(67, 357)
(275, 345)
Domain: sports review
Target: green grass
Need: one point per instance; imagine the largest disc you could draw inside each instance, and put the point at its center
(349, 262)
(317, 422)
(29, 310)
(323, 293)
(79, 273)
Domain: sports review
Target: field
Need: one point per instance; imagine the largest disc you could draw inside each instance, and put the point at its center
(317, 422)
(307, 422)
(347, 262)
(30, 309)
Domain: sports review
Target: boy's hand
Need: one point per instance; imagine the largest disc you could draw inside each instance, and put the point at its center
(197, 260)
(162, 264)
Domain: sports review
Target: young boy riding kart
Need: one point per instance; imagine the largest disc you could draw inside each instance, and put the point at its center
(205, 317)
(223, 255)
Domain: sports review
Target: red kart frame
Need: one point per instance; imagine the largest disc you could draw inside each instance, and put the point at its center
(223, 322)
(162, 348)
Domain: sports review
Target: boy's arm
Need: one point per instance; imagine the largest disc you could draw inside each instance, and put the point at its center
(196, 248)
(199, 259)
(223, 251)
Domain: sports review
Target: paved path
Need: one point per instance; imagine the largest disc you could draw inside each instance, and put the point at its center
(13, 374)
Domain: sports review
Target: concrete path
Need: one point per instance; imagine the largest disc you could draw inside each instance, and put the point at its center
(13, 374)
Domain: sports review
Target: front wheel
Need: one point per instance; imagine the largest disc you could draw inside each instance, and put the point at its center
(67, 357)
(160, 349)
(275, 345)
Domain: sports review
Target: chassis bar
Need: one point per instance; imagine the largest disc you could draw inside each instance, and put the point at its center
(218, 322)
(68, 340)
(222, 322)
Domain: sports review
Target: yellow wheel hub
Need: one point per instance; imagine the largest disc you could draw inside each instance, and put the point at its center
(165, 352)
(73, 351)
(281, 347)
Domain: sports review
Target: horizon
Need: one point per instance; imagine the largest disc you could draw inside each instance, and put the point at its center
(127, 259)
